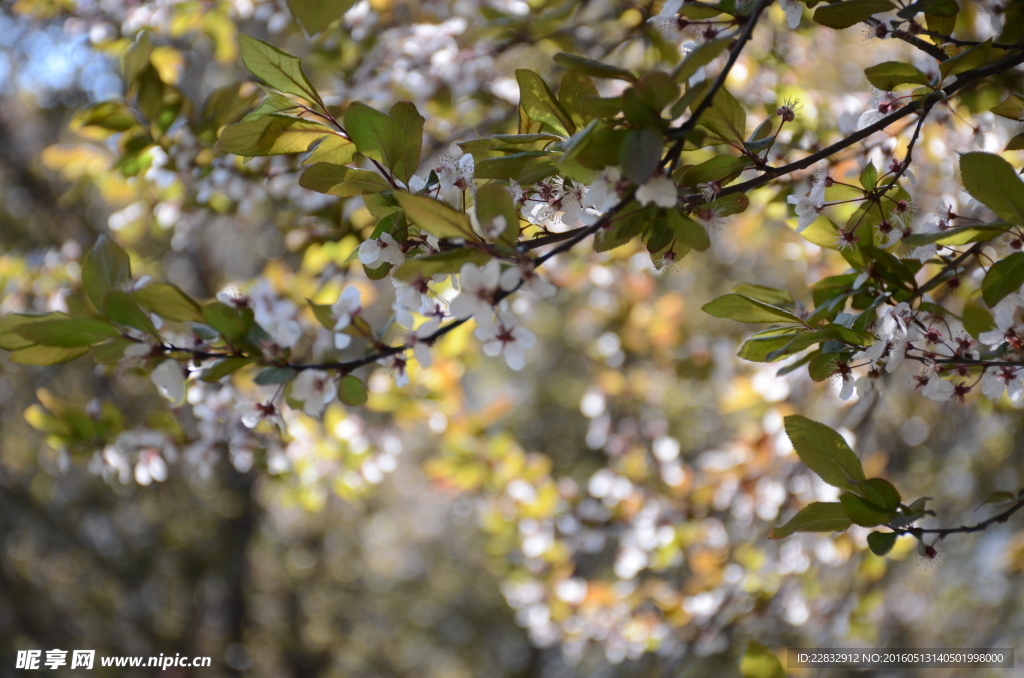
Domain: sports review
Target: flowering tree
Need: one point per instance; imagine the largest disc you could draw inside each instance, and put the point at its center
(420, 243)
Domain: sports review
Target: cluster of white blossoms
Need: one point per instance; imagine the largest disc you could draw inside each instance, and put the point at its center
(946, 352)
(425, 306)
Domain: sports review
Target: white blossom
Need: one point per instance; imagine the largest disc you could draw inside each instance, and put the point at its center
(456, 174)
(315, 389)
(848, 384)
(809, 206)
(699, 75)
(506, 337)
(421, 348)
(376, 252)
(396, 365)
(877, 109)
(276, 316)
(253, 413)
(666, 20)
(794, 12)
(936, 389)
(345, 309)
(169, 381)
(531, 280)
(660, 190)
(151, 466)
(894, 320)
(603, 193)
(1005, 315)
(996, 382)
(478, 286)
(571, 202)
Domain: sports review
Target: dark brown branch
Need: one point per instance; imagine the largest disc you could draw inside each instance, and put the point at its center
(962, 81)
(963, 529)
(967, 43)
(719, 82)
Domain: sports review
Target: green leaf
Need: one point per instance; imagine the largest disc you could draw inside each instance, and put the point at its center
(381, 205)
(769, 295)
(640, 153)
(994, 182)
(595, 69)
(942, 8)
(891, 74)
(761, 345)
(540, 103)
(333, 149)
(275, 134)
(760, 662)
(223, 368)
(229, 322)
(316, 15)
(493, 205)
(386, 139)
(536, 142)
(999, 497)
(824, 451)
(278, 69)
(977, 319)
(1016, 143)
(624, 229)
(823, 366)
(275, 375)
(110, 352)
(746, 310)
(880, 492)
(573, 93)
(122, 309)
(687, 231)
(10, 339)
(514, 165)
(168, 301)
(968, 59)
(1004, 277)
(727, 205)
(961, 235)
(106, 267)
(700, 10)
(718, 168)
(443, 262)
(638, 114)
(323, 314)
(410, 122)
(701, 56)
(1012, 108)
(725, 119)
(66, 332)
(46, 355)
(830, 332)
(815, 517)
(881, 543)
(869, 177)
(845, 14)
(110, 116)
(351, 391)
(342, 181)
(943, 25)
(864, 513)
(434, 216)
(273, 103)
(657, 89)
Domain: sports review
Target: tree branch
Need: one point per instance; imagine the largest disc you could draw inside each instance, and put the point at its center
(962, 81)
(963, 529)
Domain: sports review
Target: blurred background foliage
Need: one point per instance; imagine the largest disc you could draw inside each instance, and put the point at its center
(602, 513)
